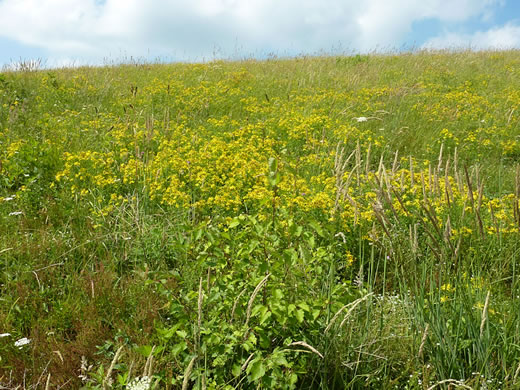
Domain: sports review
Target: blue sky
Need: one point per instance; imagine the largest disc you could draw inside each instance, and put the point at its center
(92, 32)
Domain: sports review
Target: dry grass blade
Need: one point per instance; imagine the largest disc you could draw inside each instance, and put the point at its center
(430, 181)
(244, 366)
(447, 230)
(379, 167)
(358, 161)
(455, 160)
(111, 368)
(367, 162)
(357, 301)
(199, 306)
(199, 312)
(395, 164)
(305, 345)
(48, 383)
(381, 219)
(148, 365)
(439, 166)
(517, 372)
(484, 314)
(354, 305)
(252, 299)
(411, 173)
(336, 316)
(470, 187)
(510, 115)
(423, 185)
(447, 186)
(340, 166)
(423, 341)
(130, 368)
(187, 373)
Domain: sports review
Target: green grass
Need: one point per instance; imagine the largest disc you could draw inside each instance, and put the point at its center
(241, 225)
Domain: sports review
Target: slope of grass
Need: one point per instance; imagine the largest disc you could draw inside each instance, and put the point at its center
(317, 222)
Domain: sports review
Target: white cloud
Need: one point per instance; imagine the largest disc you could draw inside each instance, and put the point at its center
(384, 22)
(504, 37)
(188, 29)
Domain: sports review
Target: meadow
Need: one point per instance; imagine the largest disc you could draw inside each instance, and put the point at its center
(315, 222)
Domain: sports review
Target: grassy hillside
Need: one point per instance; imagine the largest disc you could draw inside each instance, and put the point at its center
(324, 222)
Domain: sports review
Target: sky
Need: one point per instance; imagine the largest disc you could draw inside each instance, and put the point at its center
(98, 32)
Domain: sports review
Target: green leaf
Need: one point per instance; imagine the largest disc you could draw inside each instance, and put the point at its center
(264, 317)
(144, 350)
(299, 315)
(258, 309)
(304, 306)
(236, 370)
(178, 348)
(315, 225)
(256, 370)
(278, 294)
(182, 334)
(290, 255)
(311, 241)
(234, 223)
(265, 341)
(279, 359)
(122, 379)
(273, 164)
(252, 338)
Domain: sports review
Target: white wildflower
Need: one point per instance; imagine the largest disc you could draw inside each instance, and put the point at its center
(138, 383)
(16, 213)
(7, 199)
(23, 341)
(85, 368)
(361, 119)
(4, 335)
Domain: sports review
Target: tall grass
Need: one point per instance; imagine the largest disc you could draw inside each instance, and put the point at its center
(316, 222)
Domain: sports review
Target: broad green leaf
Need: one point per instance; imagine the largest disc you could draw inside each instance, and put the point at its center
(178, 348)
(256, 370)
(316, 226)
(265, 316)
(145, 350)
(299, 315)
(273, 164)
(234, 223)
(236, 369)
(258, 309)
(252, 338)
(279, 359)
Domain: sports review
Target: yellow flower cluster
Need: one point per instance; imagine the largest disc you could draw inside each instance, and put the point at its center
(201, 140)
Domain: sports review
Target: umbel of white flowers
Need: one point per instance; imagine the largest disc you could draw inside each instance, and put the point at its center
(140, 383)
